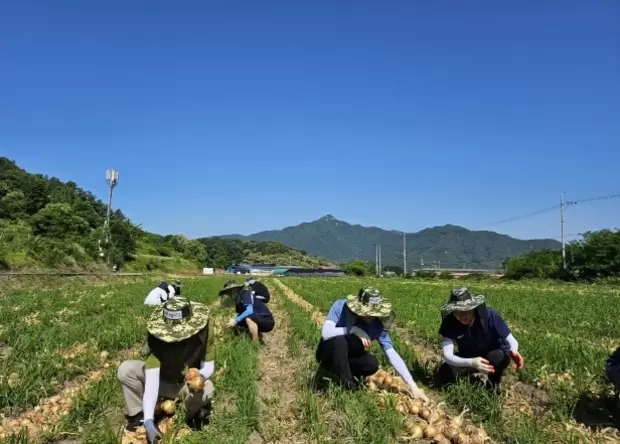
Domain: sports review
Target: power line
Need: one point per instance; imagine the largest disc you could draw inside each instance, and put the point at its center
(550, 209)
(523, 216)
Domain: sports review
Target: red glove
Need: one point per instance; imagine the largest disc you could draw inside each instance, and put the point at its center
(518, 359)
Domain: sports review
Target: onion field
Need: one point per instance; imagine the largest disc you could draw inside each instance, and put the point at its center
(61, 347)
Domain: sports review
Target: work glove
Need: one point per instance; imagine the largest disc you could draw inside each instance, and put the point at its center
(482, 365)
(152, 431)
(518, 359)
(417, 393)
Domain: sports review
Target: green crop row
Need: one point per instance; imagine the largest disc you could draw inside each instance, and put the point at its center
(545, 350)
(50, 337)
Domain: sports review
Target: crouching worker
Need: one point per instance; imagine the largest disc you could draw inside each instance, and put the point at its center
(180, 336)
(162, 293)
(485, 343)
(613, 369)
(348, 331)
(253, 315)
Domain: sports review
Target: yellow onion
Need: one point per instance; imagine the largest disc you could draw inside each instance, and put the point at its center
(197, 384)
(191, 374)
(450, 432)
(461, 438)
(430, 431)
(425, 414)
(168, 407)
(389, 380)
(372, 386)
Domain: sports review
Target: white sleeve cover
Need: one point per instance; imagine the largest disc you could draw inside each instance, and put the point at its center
(206, 368)
(330, 330)
(447, 347)
(514, 345)
(400, 367)
(151, 392)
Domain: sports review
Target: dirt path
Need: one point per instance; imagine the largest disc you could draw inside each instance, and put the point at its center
(279, 398)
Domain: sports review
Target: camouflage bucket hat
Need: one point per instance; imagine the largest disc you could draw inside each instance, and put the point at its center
(230, 287)
(369, 302)
(178, 319)
(462, 300)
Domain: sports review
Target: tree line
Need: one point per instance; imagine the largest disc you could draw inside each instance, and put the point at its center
(45, 222)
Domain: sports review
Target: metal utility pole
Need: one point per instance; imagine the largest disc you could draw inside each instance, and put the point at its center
(111, 176)
(562, 230)
(377, 259)
(404, 254)
(380, 265)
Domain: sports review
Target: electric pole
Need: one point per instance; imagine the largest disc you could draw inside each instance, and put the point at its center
(562, 230)
(377, 259)
(380, 265)
(404, 254)
(111, 176)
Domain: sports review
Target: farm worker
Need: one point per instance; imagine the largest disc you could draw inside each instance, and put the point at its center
(180, 336)
(160, 294)
(613, 368)
(485, 343)
(252, 313)
(259, 290)
(348, 331)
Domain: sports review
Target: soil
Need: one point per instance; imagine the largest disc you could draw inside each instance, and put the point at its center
(277, 387)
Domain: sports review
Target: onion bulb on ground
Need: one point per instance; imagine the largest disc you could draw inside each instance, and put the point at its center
(450, 432)
(440, 439)
(461, 438)
(430, 431)
(425, 413)
(389, 380)
(372, 386)
(401, 408)
(475, 438)
(191, 374)
(381, 402)
(414, 409)
(168, 407)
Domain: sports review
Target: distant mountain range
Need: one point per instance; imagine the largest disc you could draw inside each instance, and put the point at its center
(448, 246)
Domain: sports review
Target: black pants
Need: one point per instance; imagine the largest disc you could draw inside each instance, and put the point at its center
(499, 359)
(345, 358)
(265, 323)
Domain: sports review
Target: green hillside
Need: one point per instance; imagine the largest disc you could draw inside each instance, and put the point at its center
(48, 223)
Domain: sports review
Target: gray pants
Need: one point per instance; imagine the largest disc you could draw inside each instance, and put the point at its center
(131, 377)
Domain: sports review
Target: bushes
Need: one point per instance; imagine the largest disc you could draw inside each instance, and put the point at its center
(596, 256)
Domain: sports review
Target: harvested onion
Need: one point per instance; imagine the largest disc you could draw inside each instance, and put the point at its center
(425, 414)
(430, 431)
(372, 386)
(168, 407)
(197, 384)
(191, 374)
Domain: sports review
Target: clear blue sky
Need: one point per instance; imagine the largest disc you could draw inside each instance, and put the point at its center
(240, 116)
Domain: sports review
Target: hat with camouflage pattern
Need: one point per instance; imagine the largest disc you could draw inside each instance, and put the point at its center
(178, 319)
(230, 287)
(462, 300)
(369, 302)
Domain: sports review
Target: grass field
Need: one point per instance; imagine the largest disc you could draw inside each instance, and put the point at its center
(61, 347)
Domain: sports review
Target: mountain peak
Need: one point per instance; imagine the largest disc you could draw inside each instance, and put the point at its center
(328, 218)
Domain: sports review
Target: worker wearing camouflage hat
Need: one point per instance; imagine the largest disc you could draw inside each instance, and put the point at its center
(348, 331)
(485, 343)
(180, 336)
(253, 315)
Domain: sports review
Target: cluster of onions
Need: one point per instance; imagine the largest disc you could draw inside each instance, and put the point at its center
(42, 415)
(194, 380)
(429, 422)
(139, 436)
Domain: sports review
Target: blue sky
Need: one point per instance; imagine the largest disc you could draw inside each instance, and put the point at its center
(241, 116)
